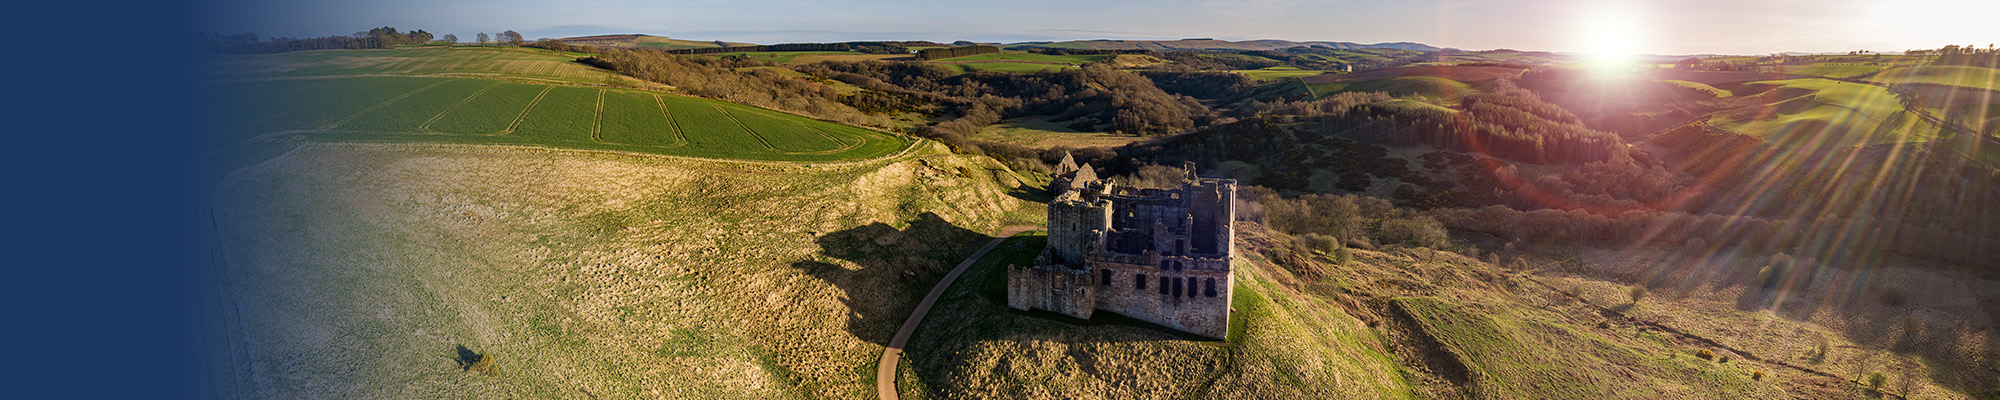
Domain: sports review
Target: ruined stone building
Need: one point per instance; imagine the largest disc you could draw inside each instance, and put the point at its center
(1157, 255)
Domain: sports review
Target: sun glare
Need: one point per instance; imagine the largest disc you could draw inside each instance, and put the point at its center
(1609, 37)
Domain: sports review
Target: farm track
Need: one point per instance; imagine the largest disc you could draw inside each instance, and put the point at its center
(524, 110)
(343, 121)
(885, 370)
(679, 134)
(746, 128)
(597, 119)
(426, 127)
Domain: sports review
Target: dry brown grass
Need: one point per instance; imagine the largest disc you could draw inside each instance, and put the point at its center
(351, 269)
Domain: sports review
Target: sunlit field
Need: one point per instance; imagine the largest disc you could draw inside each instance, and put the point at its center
(1473, 200)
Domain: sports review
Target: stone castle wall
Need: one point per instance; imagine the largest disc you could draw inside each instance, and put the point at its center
(1158, 255)
(1062, 290)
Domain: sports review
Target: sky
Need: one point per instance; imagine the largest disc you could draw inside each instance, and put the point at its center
(1584, 26)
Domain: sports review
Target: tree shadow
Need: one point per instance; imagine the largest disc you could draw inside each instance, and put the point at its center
(892, 268)
(467, 357)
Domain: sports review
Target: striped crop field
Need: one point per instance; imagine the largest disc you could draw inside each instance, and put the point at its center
(638, 118)
(486, 62)
(491, 112)
(469, 110)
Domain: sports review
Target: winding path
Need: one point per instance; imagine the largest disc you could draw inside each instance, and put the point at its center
(885, 372)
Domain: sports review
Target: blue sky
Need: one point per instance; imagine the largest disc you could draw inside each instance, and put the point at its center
(1609, 26)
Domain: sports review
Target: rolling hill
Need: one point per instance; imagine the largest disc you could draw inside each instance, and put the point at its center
(1213, 44)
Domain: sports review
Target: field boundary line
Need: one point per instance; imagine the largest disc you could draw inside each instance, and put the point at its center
(828, 136)
(746, 128)
(672, 123)
(844, 145)
(426, 127)
(252, 127)
(525, 110)
(597, 119)
(343, 121)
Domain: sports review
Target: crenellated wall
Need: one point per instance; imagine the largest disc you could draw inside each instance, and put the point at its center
(1159, 255)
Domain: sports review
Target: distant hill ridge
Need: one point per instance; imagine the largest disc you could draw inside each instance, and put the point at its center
(1213, 44)
(641, 40)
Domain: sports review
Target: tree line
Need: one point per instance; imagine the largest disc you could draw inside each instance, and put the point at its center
(950, 52)
(864, 47)
(377, 38)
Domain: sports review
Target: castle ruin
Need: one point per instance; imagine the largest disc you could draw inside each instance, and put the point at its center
(1157, 255)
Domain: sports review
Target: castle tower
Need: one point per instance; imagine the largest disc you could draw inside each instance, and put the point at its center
(1158, 255)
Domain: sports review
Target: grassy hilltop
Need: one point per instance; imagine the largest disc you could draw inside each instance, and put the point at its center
(509, 223)
(358, 270)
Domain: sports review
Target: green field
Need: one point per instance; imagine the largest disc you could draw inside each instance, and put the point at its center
(1973, 77)
(1820, 112)
(484, 111)
(521, 98)
(1701, 87)
(1040, 132)
(667, 43)
(1431, 88)
(1276, 73)
(1031, 57)
(482, 62)
(1838, 70)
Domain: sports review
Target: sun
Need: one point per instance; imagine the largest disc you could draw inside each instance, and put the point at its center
(1610, 36)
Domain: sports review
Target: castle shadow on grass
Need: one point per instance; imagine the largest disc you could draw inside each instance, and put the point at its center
(897, 267)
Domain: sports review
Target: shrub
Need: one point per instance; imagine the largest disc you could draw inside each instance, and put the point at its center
(1638, 293)
(1417, 232)
(1724, 359)
(478, 363)
(1875, 381)
(1705, 354)
(1757, 375)
(1820, 348)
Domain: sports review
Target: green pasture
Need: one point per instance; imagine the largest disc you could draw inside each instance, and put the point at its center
(429, 109)
(483, 62)
(1973, 77)
(1276, 73)
(1821, 112)
(1838, 70)
(1433, 88)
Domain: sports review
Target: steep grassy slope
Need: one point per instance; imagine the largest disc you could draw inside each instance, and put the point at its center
(1282, 345)
(1398, 323)
(361, 270)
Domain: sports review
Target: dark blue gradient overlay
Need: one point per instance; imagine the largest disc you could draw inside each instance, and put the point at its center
(100, 264)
